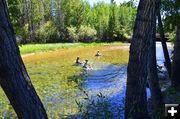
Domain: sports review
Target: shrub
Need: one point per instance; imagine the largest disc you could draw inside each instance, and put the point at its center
(47, 33)
(72, 34)
(22, 34)
(87, 34)
(25, 33)
(83, 34)
(171, 36)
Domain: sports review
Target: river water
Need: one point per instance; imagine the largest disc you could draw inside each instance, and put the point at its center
(110, 81)
(52, 75)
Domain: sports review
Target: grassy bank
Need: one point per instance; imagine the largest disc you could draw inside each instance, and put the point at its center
(33, 48)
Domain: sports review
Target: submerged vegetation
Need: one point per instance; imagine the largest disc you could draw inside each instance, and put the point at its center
(52, 34)
(99, 108)
(53, 76)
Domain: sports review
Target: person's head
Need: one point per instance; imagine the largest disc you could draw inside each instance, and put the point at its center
(98, 51)
(86, 61)
(77, 57)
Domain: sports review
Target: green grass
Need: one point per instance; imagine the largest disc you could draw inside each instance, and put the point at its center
(33, 48)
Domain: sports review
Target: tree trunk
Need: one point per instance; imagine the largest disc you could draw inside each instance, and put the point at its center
(136, 99)
(112, 1)
(13, 75)
(164, 46)
(176, 60)
(31, 21)
(156, 95)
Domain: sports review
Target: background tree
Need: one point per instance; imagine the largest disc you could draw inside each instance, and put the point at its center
(127, 13)
(164, 46)
(13, 75)
(113, 22)
(170, 9)
(30, 17)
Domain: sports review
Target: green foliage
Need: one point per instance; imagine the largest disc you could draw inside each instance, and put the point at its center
(72, 33)
(99, 107)
(172, 36)
(87, 34)
(83, 34)
(100, 18)
(113, 21)
(102, 22)
(47, 33)
(170, 9)
(127, 17)
(73, 12)
(14, 9)
(24, 31)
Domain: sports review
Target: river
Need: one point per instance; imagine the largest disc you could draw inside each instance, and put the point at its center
(103, 87)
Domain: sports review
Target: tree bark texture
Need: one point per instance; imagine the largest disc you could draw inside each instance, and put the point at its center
(164, 45)
(13, 75)
(156, 95)
(176, 60)
(136, 98)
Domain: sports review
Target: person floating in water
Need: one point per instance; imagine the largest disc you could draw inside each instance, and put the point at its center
(78, 62)
(98, 54)
(86, 65)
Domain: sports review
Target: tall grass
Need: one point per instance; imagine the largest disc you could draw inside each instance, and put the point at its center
(33, 48)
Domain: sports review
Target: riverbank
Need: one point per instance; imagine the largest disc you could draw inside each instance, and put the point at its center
(35, 48)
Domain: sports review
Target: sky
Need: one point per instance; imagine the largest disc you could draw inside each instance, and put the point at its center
(107, 1)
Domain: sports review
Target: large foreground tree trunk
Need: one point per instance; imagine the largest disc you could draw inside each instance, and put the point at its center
(156, 95)
(164, 46)
(13, 76)
(136, 99)
(176, 60)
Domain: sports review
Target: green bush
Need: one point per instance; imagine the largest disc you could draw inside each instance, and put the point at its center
(22, 34)
(171, 36)
(25, 31)
(83, 34)
(87, 34)
(47, 33)
(72, 34)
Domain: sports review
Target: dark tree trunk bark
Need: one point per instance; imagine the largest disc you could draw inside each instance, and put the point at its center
(31, 21)
(13, 75)
(156, 95)
(136, 98)
(164, 46)
(176, 60)
(112, 1)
